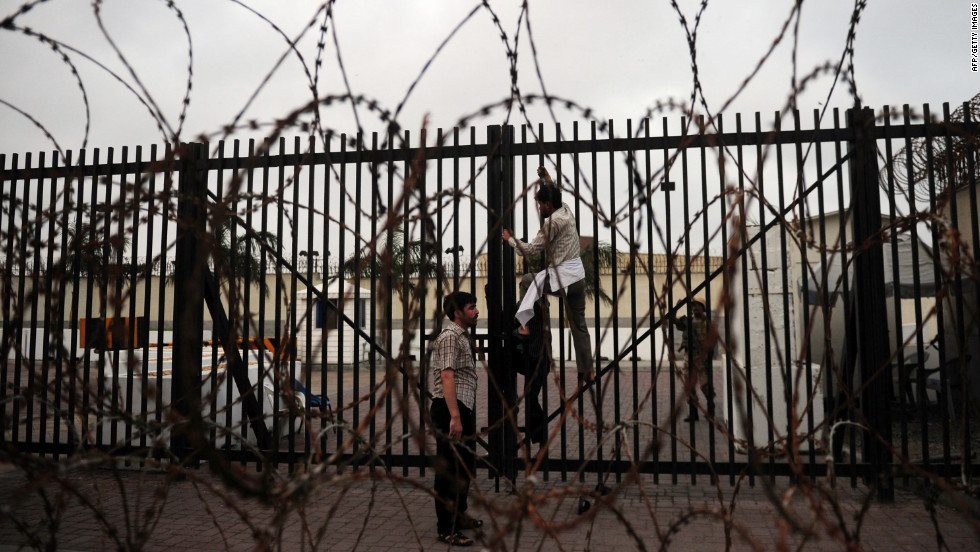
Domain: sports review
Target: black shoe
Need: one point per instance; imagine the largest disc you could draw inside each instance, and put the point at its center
(466, 522)
(455, 539)
(693, 417)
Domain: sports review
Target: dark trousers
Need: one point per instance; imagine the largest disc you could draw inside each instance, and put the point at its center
(535, 418)
(575, 311)
(455, 464)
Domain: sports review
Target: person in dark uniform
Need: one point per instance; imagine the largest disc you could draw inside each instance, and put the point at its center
(698, 347)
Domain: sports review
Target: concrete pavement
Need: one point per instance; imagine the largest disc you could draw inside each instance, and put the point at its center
(102, 509)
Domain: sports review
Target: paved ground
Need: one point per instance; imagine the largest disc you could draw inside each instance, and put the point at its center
(128, 509)
(99, 509)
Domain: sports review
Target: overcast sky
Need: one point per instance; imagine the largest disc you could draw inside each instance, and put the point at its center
(617, 57)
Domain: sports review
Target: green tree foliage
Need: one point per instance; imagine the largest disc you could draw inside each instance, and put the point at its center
(412, 259)
(91, 253)
(238, 255)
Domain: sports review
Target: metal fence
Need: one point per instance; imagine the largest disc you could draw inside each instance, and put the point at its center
(835, 259)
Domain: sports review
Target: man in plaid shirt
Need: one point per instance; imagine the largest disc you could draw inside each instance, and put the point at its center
(454, 381)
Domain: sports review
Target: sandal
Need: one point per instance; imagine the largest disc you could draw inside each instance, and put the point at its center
(456, 539)
(466, 522)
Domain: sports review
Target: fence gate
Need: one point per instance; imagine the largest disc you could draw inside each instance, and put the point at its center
(833, 253)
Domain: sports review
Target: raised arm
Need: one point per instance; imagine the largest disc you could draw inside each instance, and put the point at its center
(543, 173)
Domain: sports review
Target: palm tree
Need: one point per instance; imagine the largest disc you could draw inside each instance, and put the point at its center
(416, 259)
(607, 259)
(238, 255)
(91, 255)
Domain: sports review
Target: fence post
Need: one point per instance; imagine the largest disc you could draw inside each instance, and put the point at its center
(501, 297)
(869, 293)
(190, 260)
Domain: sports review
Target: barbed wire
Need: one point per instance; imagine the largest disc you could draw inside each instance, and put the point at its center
(287, 491)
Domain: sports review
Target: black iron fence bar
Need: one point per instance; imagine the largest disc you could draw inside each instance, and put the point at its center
(807, 399)
(89, 235)
(325, 222)
(48, 288)
(767, 311)
(132, 217)
(112, 168)
(826, 367)
(654, 406)
(726, 331)
(971, 185)
(918, 315)
(746, 400)
(633, 183)
(845, 406)
(615, 333)
(958, 380)
(64, 409)
(218, 222)
(32, 297)
(309, 313)
(389, 286)
(374, 198)
(962, 347)
(593, 130)
(937, 271)
(291, 341)
(784, 356)
(357, 288)
(706, 231)
(189, 311)
(99, 280)
(824, 373)
(8, 329)
(136, 271)
(869, 280)
(668, 185)
(893, 253)
(422, 374)
(500, 299)
(693, 370)
(278, 382)
(25, 298)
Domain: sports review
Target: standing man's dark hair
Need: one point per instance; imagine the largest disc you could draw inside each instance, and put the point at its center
(454, 381)
(457, 301)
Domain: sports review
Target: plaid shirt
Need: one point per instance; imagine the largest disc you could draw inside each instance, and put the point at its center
(452, 351)
(558, 238)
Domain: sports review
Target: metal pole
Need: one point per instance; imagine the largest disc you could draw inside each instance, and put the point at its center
(501, 300)
(189, 265)
(869, 280)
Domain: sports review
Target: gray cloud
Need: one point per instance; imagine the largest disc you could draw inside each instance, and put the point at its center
(618, 58)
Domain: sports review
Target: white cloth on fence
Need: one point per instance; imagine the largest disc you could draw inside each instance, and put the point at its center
(562, 276)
